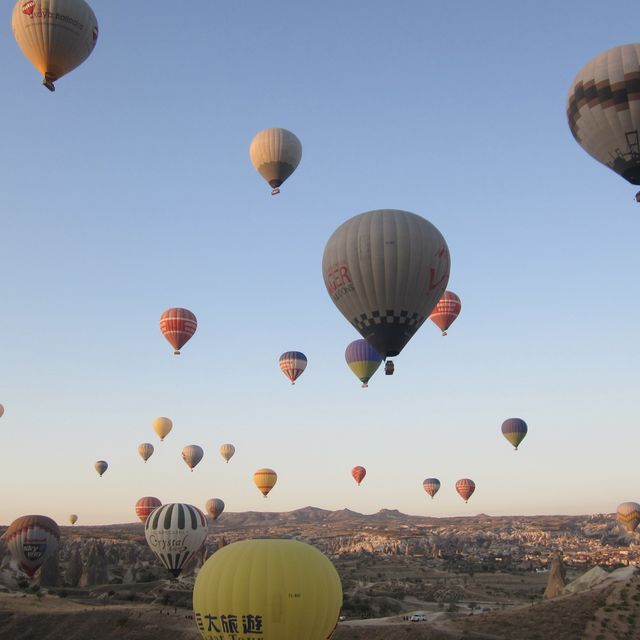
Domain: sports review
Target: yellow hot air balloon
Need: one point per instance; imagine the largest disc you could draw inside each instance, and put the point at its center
(268, 589)
(162, 427)
(275, 153)
(265, 480)
(73, 518)
(226, 451)
(56, 35)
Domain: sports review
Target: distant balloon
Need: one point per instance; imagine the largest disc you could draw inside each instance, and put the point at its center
(465, 488)
(275, 153)
(177, 326)
(101, 466)
(446, 311)
(279, 589)
(192, 454)
(175, 532)
(162, 427)
(145, 450)
(431, 486)
(363, 360)
(73, 518)
(604, 113)
(385, 270)
(358, 474)
(1, 411)
(146, 506)
(32, 540)
(227, 451)
(265, 480)
(628, 514)
(55, 35)
(292, 364)
(214, 507)
(514, 430)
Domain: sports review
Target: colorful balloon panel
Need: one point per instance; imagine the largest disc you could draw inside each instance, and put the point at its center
(362, 359)
(628, 515)
(385, 270)
(178, 326)
(431, 486)
(275, 154)
(214, 507)
(32, 540)
(265, 480)
(146, 506)
(358, 474)
(272, 589)
(514, 430)
(292, 364)
(446, 311)
(465, 488)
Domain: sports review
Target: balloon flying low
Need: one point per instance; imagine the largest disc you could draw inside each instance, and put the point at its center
(145, 450)
(101, 466)
(178, 326)
(265, 480)
(363, 360)
(192, 454)
(514, 430)
(465, 488)
(275, 589)
(446, 311)
(55, 35)
(292, 364)
(162, 427)
(628, 515)
(226, 451)
(214, 507)
(73, 518)
(145, 507)
(32, 540)
(358, 474)
(431, 486)
(275, 154)
(175, 532)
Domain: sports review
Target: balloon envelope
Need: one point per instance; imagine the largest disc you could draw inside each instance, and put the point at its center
(358, 474)
(272, 589)
(226, 451)
(628, 515)
(1, 411)
(162, 427)
(603, 110)
(292, 364)
(446, 311)
(145, 450)
(265, 480)
(145, 507)
(101, 466)
(465, 488)
(73, 518)
(362, 359)
(32, 540)
(177, 326)
(431, 486)
(275, 153)
(175, 532)
(192, 454)
(514, 430)
(385, 270)
(214, 507)
(55, 35)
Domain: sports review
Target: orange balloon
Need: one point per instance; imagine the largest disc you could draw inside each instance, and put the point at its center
(265, 479)
(358, 474)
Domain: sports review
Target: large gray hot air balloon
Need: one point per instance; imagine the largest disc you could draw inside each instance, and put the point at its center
(192, 454)
(603, 109)
(275, 153)
(385, 270)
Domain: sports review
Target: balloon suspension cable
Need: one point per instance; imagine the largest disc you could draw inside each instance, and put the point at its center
(48, 84)
(275, 192)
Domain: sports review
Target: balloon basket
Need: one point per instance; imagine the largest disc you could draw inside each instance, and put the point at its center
(275, 192)
(176, 353)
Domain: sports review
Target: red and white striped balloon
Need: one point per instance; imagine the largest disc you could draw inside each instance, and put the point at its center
(178, 326)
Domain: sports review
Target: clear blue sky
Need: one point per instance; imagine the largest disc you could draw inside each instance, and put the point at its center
(130, 190)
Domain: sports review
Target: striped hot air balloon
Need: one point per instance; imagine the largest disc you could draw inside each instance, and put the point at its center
(431, 486)
(363, 360)
(214, 507)
(192, 454)
(465, 488)
(162, 427)
(265, 480)
(32, 540)
(145, 506)
(175, 532)
(177, 326)
(514, 430)
(358, 474)
(292, 364)
(275, 153)
(101, 466)
(55, 35)
(226, 451)
(145, 450)
(628, 515)
(446, 311)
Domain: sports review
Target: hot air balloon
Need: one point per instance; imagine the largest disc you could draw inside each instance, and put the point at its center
(431, 486)
(271, 589)
(162, 427)
(175, 532)
(385, 270)
(363, 360)
(1, 411)
(514, 430)
(145, 450)
(73, 518)
(358, 474)
(145, 506)
(446, 311)
(227, 451)
(214, 507)
(101, 466)
(32, 540)
(265, 479)
(628, 515)
(465, 488)
(177, 326)
(275, 153)
(55, 35)
(192, 454)
(604, 112)
(292, 364)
